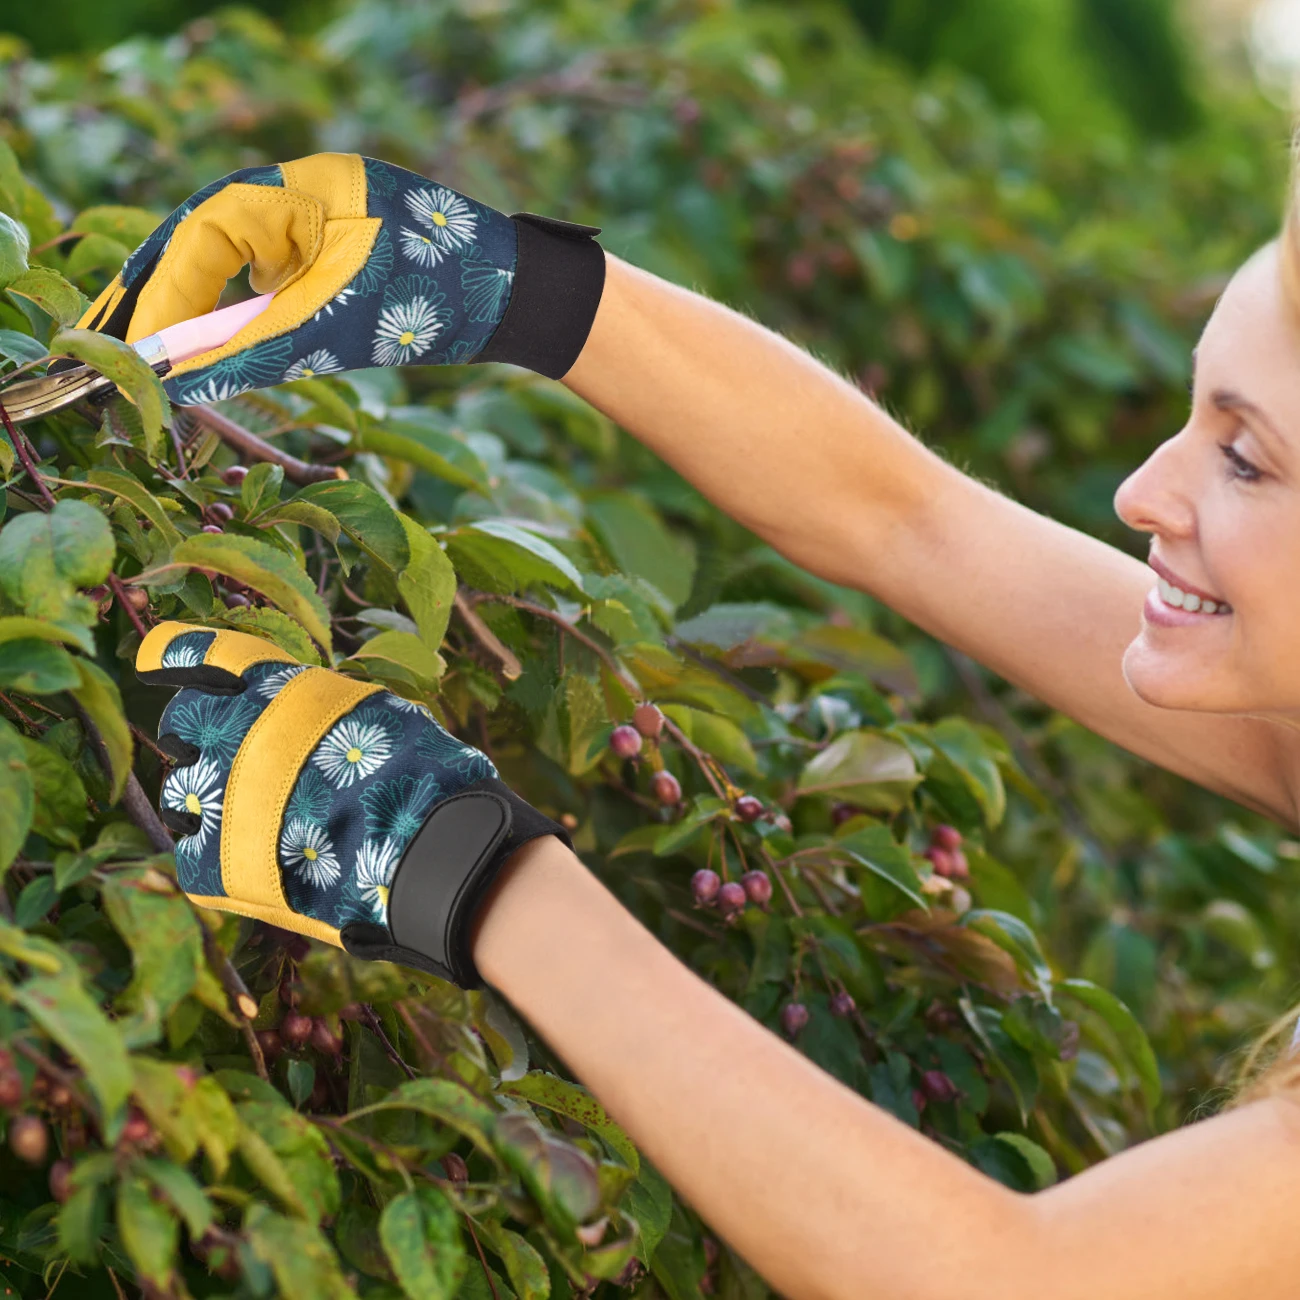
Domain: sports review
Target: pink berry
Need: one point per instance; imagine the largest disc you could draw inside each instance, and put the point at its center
(960, 867)
(29, 1139)
(295, 1029)
(235, 475)
(842, 1005)
(705, 885)
(219, 512)
(794, 1016)
(666, 789)
(758, 887)
(946, 837)
(841, 812)
(938, 1087)
(324, 1039)
(941, 860)
(648, 721)
(11, 1088)
(270, 1043)
(731, 898)
(60, 1180)
(213, 528)
(625, 741)
(137, 1127)
(749, 809)
(236, 600)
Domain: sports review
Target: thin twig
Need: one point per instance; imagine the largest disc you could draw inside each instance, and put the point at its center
(511, 668)
(251, 447)
(140, 809)
(117, 1286)
(56, 1072)
(120, 592)
(9, 704)
(143, 738)
(181, 467)
(487, 1272)
(377, 1028)
(25, 454)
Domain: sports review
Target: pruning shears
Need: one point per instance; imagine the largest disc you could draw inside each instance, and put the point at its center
(66, 381)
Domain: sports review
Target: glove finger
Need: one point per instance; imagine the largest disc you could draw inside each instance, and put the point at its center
(178, 654)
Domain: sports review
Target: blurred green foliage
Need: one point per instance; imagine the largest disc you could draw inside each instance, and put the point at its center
(1025, 299)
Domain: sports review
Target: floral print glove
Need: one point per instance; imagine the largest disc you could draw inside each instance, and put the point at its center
(325, 804)
(370, 265)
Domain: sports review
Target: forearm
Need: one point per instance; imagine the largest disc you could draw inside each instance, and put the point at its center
(822, 1192)
(773, 437)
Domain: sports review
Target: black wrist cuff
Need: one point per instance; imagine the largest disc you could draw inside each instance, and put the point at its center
(559, 277)
(441, 880)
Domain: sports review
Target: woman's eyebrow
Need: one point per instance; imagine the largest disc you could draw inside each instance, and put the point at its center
(1225, 399)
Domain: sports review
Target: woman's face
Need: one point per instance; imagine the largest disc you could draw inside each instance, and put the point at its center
(1221, 500)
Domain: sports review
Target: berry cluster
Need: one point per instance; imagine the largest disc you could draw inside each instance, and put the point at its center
(945, 853)
(731, 898)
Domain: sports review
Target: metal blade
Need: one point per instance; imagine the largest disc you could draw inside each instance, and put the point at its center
(30, 399)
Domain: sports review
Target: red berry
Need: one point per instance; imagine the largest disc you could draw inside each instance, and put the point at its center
(213, 528)
(188, 1075)
(960, 867)
(625, 741)
(569, 821)
(456, 1168)
(841, 812)
(60, 1180)
(731, 898)
(137, 598)
(220, 513)
(705, 885)
(938, 1087)
(794, 1016)
(295, 1029)
(782, 822)
(60, 1096)
(749, 809)
(236, 600)
(137, 1127)
(941, 860)
(11, 1088)
(269, 1041)
(946, 837)
(352, 1011)
(666, 788)
(648, 721)
(235, 475)
(758, 887)
(842, 1005)
(29, 1139)
(324, 1039)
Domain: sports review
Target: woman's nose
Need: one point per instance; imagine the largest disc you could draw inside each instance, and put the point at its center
(1157, 496)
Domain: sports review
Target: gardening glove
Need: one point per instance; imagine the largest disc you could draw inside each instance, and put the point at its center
(325, 804)
(370, 264)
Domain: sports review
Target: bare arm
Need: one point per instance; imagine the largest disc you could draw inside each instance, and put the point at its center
(811, 465)
(832, 1198)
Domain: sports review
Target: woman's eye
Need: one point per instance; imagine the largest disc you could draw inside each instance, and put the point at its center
(1239, 467)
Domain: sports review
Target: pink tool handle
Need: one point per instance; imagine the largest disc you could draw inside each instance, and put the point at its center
(203, 333)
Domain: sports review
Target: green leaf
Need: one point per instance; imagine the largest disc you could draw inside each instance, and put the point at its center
(449, 1103)
(36, 667)
(1128, 1032)
(649, 1201)
(427, 584)
(873, 847)
(182, 1189)
(577, 1103)
(406, 650)
(131, 490)
(44, 557)
(17, 795)
(701, 810)
(163, 934)
(51, 293)
(365, 516)
(1013, 936)
(524, 1266)
(35, 901)
(290, 1156)
(961, 743)
(273, 626)
(21, 348)
(95, 253)
(521, 557)
(99, 696)
(13, 249)
(129, 226)
(863, 768)
(302, 1260)
(150, 1231)
(82, 1220)
(60, 1005)
(436, 453)
(16, 627)
(640, 544)
(420, 1231)
(133, 376)
(716, 735)
(262, 567)
(301, 1077)
(260, 489)
(60, 812)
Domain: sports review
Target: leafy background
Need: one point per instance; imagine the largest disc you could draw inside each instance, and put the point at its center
(1015, 264)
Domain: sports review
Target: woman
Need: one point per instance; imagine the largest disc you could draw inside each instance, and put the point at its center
(1189, 662)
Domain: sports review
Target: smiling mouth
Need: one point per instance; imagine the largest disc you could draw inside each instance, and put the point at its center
(1176, 598)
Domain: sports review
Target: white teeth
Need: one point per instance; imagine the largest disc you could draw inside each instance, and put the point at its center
(1189, 601)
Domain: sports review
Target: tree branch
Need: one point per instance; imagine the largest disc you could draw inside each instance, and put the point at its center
(251, 447)
(511, 668)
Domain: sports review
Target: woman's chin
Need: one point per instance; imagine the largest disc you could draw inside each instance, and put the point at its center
(1167, 681)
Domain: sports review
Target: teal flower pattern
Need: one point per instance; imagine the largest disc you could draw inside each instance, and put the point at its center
(397, 808)
(312, 797)
(215, 725)
(467, 250)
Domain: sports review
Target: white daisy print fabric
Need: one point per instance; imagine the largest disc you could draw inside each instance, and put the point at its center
(320, 362)
(197, 789)
(375, 865)
(355, 748)
(306, 850)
